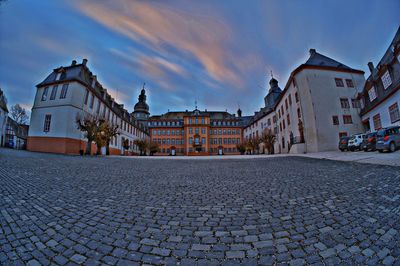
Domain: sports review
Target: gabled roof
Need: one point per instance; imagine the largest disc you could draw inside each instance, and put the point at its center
(317, 59)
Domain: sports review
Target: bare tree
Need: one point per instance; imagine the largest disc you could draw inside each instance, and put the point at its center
(153, 148)
(142, 145)
(19, 114)
(269, 139)
(109, 131)
(90, 126)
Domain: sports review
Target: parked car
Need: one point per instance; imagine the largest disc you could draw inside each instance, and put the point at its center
(388, 139)
(369, 143)
(343, 142)
(355, 142)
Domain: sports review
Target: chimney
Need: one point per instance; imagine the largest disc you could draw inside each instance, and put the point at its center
(312, 52)
(84, 61)
(73, 63)
(239, 112)
(371, 66)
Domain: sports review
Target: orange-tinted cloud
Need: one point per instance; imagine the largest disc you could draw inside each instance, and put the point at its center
(156, 26)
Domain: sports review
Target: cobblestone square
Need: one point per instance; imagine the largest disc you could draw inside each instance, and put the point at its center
(66, 210)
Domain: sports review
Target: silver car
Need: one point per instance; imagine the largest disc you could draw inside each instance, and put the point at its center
(388, 139)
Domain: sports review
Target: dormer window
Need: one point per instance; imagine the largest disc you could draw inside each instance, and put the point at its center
(44, 95)
(372, 93)
(339, 82)
(349, 83)
(58, 75)
(386, 80)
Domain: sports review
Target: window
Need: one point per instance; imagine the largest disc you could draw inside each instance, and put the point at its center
(91, 101)
(196, 130)
(203, 130)
(394, 113)
(47, 121)
(44, 95)
(290, 99)
(386, 80)
(335, 120)
(349, 83)
(98, 107)
(355, 103)
(347, 119)
(296, 96)
(64, 91)
(377, 121)
(86, 96)
(286, 104)
(203, 141)
(344, 102)
(53, 92)
(298, 113)
(288, 119)
(339, 82)
(372, 94)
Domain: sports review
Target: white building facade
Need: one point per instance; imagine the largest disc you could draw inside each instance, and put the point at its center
(317, 106)
(69, 92)
(381, 94)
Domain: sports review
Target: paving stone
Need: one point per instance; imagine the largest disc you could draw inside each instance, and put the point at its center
(388, 260)
(77, 258)
(136, 211)
(368, 252)
(235, 254)
(328, 253)
(201, 247)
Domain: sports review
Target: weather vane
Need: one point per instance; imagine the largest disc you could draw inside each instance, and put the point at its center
(195, 103)
(272, 75)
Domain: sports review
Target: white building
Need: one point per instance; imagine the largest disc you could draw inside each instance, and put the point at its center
(317, 106)
(69, 92)
(381, 94)
(3, 117)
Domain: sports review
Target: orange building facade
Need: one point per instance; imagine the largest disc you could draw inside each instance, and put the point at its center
(197, 132)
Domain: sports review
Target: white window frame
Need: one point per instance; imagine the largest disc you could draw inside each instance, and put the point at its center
(372, 94)
(386, 79)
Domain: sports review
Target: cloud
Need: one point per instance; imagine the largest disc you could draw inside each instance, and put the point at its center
(204, 38)
(118, 95)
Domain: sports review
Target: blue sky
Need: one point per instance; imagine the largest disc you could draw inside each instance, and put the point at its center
(218, 52)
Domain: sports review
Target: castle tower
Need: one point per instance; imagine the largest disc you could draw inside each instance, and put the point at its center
(273, 93)
(141, 109)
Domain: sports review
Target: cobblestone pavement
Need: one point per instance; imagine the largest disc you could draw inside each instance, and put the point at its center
(71, 210)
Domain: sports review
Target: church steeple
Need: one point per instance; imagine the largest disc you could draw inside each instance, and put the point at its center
(141, 109)
(273, 93)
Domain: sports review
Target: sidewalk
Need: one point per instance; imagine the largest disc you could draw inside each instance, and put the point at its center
(392, 159)
(359, 156)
